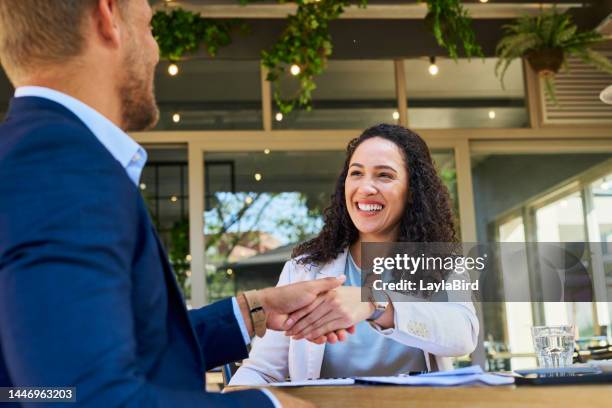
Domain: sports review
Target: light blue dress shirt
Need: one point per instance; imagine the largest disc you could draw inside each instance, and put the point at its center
(368, 353)
(123, 148)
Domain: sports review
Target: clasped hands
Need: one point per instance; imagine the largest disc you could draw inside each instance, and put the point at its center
(320, 311)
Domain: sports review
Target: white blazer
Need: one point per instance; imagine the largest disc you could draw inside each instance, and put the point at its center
(441, 330)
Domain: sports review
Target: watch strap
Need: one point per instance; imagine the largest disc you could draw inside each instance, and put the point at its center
(256, 312)
(379, 308)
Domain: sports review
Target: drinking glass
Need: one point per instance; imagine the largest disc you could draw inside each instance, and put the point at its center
(554, 345)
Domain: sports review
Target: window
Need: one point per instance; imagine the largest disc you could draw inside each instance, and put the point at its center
(563, 221)
(258, 207)
(209, 95)
(540, 197)
(464, 94)
(164, 187)
(349, 95)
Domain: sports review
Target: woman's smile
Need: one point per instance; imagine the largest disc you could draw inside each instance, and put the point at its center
(368, 208)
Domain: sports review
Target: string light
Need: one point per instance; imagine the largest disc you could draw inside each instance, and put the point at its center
(484, 1)
(279, 117)
(188, 258)
(258, 177)
(176, 118)
(248, 200)
(174, 199)
(266, 151)
(433, 68)
(492, 114)
(173, 69)
(143, 186)
(295, 70)
(230, 271)
(396, 115)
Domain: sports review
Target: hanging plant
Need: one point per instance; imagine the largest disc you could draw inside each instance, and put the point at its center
(305, 43)
(546, 41)
(181, 32)
(452, 26)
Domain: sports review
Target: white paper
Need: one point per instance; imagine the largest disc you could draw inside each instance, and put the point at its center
(461, 376)
(321, 381)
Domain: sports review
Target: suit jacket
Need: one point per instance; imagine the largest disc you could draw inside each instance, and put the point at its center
(440, 329)
(87, 296)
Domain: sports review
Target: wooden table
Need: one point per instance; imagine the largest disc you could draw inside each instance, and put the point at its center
(574, 396)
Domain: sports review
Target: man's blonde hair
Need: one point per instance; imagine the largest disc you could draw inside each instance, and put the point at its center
(40, 32)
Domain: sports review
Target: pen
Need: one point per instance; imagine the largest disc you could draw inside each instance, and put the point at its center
(410, 373)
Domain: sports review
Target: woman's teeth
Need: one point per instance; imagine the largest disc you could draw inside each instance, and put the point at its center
(369, 207)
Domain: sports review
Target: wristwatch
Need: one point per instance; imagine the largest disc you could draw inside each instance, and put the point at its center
(379, 308)
(256, 312)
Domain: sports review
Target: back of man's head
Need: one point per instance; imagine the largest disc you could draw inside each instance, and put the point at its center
(35, 33)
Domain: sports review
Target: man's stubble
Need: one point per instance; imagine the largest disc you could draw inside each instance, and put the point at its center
(139, 109)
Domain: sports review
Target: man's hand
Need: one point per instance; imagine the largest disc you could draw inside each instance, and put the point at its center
(335, 310)
(280, 301)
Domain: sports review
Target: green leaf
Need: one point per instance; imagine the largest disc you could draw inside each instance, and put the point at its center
(548, 30)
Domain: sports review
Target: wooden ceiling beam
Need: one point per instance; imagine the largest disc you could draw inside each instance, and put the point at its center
(372, 11)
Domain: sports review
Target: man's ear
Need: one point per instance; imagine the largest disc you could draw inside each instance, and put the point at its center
(107, 19)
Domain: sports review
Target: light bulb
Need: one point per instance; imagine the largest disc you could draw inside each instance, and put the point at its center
(143, 186)
(174, 199)
(484, 1)
(396, 115)
(433, 68)
(173, 69)
(176, 118)
(295, 70)
(266, 151)
(230, 271)
(492, 114)
(258, 177)
(279, 117)
(248, 200)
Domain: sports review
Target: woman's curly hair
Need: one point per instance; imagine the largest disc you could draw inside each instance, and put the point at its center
(428, 216)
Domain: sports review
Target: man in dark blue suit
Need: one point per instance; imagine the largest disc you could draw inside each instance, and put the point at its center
(87, 296)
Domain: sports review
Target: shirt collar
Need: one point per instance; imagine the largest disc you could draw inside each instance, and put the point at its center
(122, 147)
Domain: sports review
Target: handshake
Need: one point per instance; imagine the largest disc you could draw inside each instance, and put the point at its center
(320, 311)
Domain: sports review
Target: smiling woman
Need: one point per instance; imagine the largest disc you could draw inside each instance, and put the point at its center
(375, 189)
(390, 166)
(388, 191)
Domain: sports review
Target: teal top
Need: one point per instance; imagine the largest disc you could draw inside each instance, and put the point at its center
(368, 353)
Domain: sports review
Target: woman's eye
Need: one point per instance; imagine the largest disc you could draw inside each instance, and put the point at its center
(386, 175)
(355, 173)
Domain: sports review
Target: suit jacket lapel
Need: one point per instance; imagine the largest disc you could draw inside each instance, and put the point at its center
(175, 297)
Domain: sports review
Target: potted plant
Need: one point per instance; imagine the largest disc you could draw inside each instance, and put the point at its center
(451, 25)
(546, 41)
